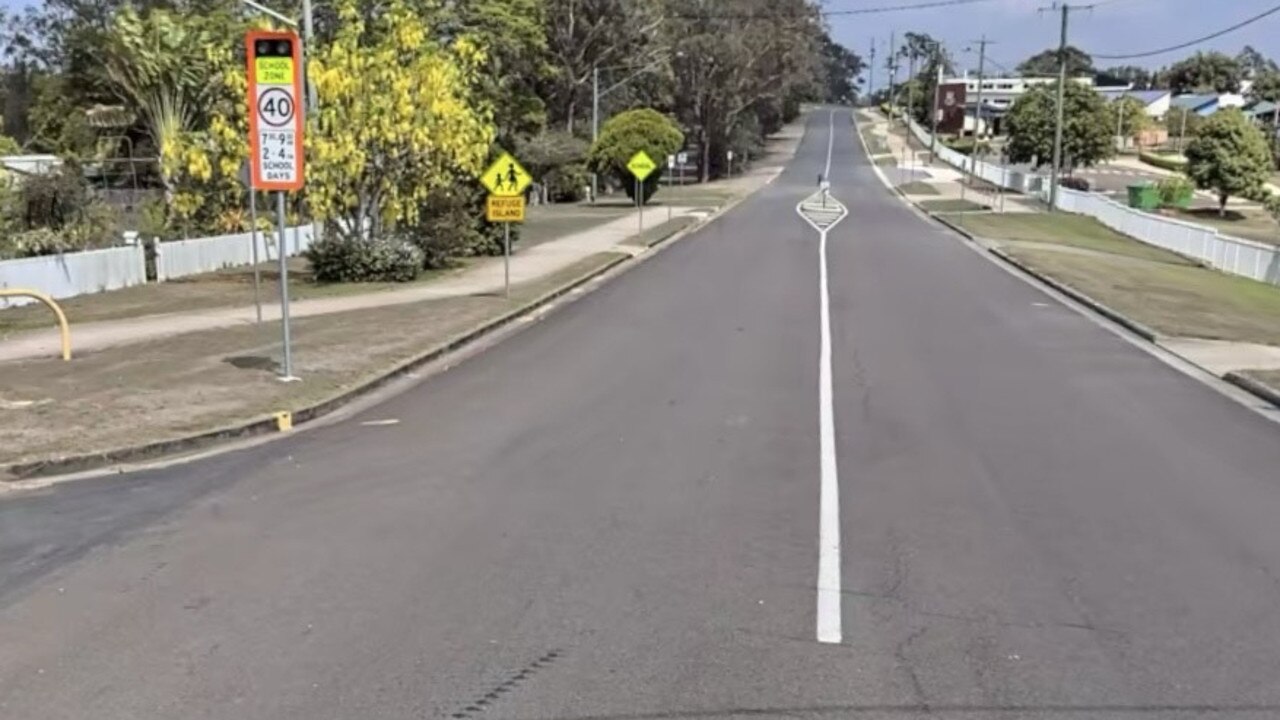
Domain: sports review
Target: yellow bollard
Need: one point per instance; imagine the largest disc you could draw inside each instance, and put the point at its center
(284, 421)
(57, 310)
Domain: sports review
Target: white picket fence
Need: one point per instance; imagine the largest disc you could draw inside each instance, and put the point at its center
(1254, 260)
(180, 258)
(71, 274)
(1237, 256)
(998, 175)
(92, 271)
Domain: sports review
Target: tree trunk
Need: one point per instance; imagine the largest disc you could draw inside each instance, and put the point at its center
(1222, 205)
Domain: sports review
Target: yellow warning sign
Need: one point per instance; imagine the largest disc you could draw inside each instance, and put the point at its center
(506, 177)
(641, 165)
(273, 70)
(505, 209)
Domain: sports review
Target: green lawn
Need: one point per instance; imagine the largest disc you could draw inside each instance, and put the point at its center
(1248, 223)
(887, 161)
(1164, 291)
(918, 188)
(549, 222)
(1062, 229)
(950, 206)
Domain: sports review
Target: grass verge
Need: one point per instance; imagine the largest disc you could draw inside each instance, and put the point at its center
(950, 206)
(916, 187)
(1161, 290)
(1247, 223)
(173, 388)
(656, 234)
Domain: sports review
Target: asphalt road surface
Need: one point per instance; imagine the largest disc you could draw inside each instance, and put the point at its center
(615, 514)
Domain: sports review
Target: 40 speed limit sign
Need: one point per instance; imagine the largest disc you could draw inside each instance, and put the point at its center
(275, 109)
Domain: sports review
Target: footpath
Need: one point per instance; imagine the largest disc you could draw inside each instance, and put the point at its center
(486, 277)
(160, 384)
(1226, 325)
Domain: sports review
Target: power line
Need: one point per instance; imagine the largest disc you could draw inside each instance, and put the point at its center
(900, 8)
(928, 4)
(1197, 41)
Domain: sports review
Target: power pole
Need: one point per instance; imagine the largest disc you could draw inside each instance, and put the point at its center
(893, 77)
(911, 86)
(1066, 9)
(937, 94)
(977, 108)
(871, 70)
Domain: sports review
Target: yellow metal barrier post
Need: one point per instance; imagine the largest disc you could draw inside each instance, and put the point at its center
(57, 310)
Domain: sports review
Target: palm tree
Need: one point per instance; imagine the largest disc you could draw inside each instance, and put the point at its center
(156, 65)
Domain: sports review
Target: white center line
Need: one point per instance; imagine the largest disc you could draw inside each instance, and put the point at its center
(828, 619)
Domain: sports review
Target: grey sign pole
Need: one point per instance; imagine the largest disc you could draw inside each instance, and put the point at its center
(253, 238)
(287, 370)
(506, 259)
(640, 202)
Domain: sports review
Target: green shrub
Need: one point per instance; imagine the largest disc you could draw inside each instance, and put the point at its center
(627, 133)
(384, 259)
(451, 224)
(1174, 190)
(567, 183)
(40, 241)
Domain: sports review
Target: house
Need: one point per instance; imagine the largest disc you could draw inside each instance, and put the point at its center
(998, 95)
(1205, 104)
(1263, 112)
(1155, 102)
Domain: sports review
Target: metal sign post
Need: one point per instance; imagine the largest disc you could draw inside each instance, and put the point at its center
(275, 140)
(641, 167)
(253, 238)
(506, 180)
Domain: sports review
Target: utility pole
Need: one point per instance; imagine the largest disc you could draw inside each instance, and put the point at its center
(308, 40)
(977, 108)
(595, 123)
(1066, 9)
(937, 94)
(893, 77)
(911, 87)
(871, 70)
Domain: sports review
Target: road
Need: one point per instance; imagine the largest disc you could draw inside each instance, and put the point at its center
(615, 514)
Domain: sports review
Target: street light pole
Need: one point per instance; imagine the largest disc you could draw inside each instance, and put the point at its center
(595, 122)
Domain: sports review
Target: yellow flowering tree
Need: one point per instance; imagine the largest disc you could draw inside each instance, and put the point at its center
(399, 117)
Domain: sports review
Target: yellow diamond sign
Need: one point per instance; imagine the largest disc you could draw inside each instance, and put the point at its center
(641, 165)
(506, 177)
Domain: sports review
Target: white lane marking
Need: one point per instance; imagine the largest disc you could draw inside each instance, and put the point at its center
(829, 630)
(831, 140)
(828, 615)
(380, 423)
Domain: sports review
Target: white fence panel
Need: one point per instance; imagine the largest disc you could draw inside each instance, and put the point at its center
(1246, 258)
(180, 258)
(71, 274)
(1232, 255)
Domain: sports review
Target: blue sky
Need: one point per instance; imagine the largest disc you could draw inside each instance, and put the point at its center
(1019, 30)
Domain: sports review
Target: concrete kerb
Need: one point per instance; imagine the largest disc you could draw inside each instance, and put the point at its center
(1253, 387)
(135, 458)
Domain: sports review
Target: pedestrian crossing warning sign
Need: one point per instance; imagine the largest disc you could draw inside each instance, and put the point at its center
(506, 177)
(641, 165)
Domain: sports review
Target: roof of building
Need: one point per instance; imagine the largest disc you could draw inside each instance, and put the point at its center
(1262, 107)
(1146, 97)
(1193, 101)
